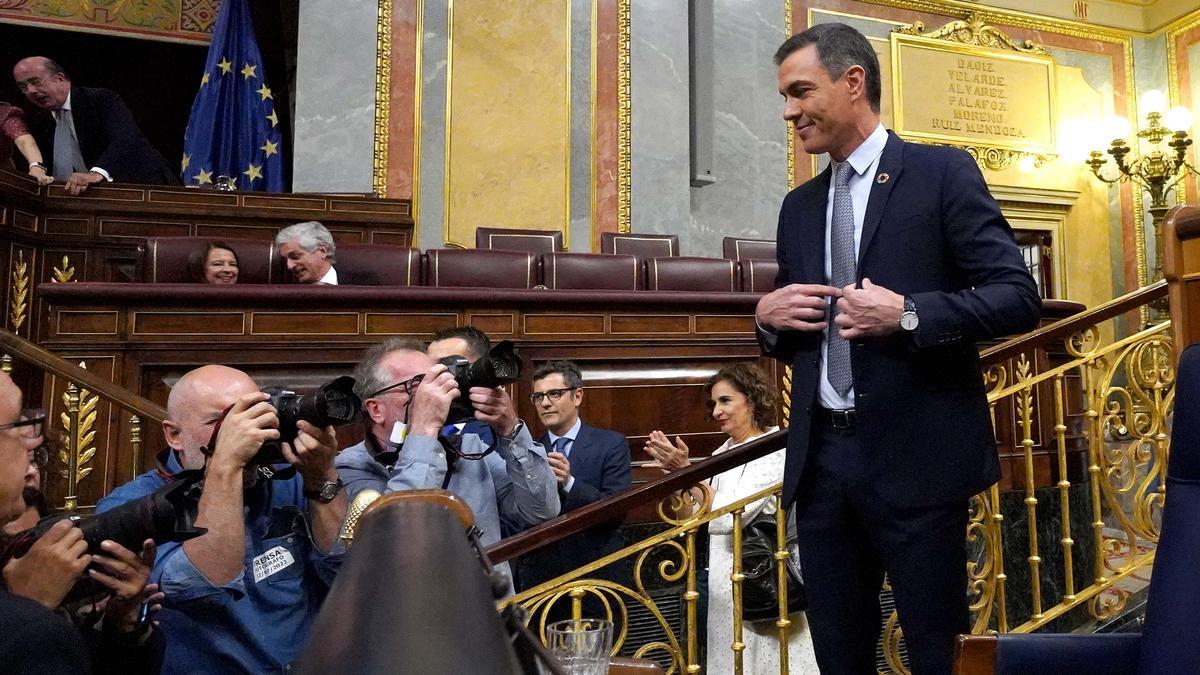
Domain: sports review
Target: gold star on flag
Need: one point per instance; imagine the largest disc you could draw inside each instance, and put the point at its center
(253, 172)
(265, 92)
(203, 177)
(204, 80)
(270, 148)
(186, 160)
(225, 66)
(273, 117)
(248, 71)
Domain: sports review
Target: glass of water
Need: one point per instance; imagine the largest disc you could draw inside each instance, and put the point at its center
(581, 645)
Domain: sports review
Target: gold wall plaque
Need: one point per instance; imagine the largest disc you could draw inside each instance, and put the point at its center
(969, 95)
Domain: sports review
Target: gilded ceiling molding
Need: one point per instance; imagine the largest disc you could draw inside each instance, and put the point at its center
(624, 118)
(383, 96)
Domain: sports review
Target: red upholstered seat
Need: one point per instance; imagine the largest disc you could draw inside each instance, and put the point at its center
(737, 248)
(640, 245)
(692, 274)
(588, 271)
(758, 276)
(532, 241)
(474, 267)
(377, 265)
(165, 259)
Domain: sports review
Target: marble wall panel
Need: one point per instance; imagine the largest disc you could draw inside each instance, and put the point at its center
(659, 200)
(749, 134)
(580, 234)
(428, 208)
(335, 97)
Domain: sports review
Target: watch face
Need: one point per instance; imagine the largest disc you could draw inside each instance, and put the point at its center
(908, 320)
(329, 491)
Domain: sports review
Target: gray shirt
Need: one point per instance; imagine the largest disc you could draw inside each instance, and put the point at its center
(513, 486)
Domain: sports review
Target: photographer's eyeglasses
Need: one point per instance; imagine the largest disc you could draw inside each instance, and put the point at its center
(30, 423)
(553, 394)
(408, 386)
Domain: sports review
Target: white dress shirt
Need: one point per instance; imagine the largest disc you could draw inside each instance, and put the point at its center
(330, 278)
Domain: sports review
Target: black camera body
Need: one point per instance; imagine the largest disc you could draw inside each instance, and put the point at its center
(168, 514)
(334, 404)
(501, 365)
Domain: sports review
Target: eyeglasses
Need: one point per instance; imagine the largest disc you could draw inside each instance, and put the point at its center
(553, 394)
(408, 386)
(30, 423)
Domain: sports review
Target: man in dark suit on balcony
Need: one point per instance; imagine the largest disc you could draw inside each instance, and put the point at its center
(590, 464)
(91, 131)
(890, 432)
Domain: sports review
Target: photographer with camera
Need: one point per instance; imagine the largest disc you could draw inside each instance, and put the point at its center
(34, 638)
(408, 399)
(241, 597)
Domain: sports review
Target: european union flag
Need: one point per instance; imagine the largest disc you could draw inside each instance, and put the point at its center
(233, 130)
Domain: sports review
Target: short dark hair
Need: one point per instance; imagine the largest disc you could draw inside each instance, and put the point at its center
(571, 375)
(53, 68)
(476, 339)
(839, 46)
(198, 259)
(754, 384)
(368, 376)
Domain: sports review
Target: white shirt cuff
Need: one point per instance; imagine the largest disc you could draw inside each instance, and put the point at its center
(102, 172)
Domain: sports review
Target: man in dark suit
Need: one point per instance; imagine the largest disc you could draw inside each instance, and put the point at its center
(91, 131)
(590, 464)
(890, 433)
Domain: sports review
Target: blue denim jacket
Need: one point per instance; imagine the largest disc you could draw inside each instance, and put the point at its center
(258, 621)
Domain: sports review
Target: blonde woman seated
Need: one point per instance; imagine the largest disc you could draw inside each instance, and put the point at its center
(742, 400)
(213, 263)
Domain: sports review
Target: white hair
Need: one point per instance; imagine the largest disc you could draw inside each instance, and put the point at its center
(309, 235)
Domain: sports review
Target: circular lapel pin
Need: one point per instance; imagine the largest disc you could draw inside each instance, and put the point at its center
(882, 178)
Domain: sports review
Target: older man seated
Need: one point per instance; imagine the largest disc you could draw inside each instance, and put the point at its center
(308, 249)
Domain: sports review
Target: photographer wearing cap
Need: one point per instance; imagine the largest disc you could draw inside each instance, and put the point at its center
(35, 639)
(506, 481)
(241, 597)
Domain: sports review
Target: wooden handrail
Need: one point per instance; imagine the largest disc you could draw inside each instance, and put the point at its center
(1070, 325)
(145, 408)
(618, 505)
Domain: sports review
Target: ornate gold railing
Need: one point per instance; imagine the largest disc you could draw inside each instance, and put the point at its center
(678, 562)
(1127, 386)
(78, 427)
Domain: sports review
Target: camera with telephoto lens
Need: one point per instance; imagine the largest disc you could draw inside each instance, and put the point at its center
(334, 404)
(168, 514)
(501, 365)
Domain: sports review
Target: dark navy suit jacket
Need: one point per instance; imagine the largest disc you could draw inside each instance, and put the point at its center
(932, 232)
(108, 138)
(600, 463)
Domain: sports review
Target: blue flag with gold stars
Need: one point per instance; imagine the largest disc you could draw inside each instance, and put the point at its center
(233, 129)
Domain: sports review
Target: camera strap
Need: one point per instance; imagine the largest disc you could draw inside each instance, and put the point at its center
(265, 471)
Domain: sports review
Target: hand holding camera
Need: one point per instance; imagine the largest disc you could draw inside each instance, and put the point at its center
(51, 566)
(126, 574)
(494, 407)
(251, 422)
(432, 400)
(312, 452)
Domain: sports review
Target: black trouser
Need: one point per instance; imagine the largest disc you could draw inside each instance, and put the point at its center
(849, 537)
